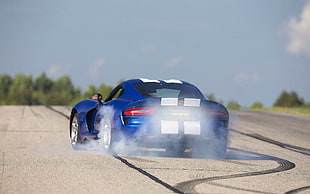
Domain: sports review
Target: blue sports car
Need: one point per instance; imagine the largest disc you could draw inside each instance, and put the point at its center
(169, 114)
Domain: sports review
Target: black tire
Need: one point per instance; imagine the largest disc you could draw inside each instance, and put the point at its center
(75, 136)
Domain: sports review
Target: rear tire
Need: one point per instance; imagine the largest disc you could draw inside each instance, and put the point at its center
(105, 135)
(75, 136)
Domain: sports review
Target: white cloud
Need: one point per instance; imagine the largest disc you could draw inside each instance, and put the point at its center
(173, 62)
(299, 33)
(245, 78)
(94, 68)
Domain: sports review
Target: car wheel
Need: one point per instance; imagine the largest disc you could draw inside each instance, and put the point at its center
(75, 132)
(105, 135)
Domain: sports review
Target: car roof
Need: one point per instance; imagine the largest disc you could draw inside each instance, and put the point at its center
(133, 92)
(145, 80)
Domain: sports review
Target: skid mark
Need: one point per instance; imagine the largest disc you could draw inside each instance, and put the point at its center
(189, 186)
(152, 177)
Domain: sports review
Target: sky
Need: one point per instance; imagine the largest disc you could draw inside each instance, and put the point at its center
(240, 50)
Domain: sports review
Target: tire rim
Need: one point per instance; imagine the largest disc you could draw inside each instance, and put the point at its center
(106, 135)
(74, 131)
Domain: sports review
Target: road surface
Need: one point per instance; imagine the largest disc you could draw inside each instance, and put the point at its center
(268, 153)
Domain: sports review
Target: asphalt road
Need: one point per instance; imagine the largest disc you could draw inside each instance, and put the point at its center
(268, 153)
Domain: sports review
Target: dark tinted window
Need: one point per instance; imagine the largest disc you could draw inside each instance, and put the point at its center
(167, 90)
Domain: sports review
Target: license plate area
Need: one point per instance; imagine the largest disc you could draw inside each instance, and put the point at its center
(179, 114)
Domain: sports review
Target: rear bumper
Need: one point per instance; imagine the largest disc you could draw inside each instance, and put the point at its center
(186, 141)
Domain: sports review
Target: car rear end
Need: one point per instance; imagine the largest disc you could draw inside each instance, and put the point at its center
(166, 121)
(174, 112)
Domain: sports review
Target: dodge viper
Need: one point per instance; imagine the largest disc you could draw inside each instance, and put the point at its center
(169, 114)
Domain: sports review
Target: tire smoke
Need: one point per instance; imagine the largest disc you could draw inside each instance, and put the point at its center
(170, 134)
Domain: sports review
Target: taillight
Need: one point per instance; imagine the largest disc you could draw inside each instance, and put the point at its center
(216, 113)
(141, 111)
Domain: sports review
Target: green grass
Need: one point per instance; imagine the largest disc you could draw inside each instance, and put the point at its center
(301, 111)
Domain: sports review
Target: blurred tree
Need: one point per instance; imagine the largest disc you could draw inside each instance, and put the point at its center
(233, 105)
(257, 105)
(42, 86)
(91, 90)
(5, 83)
(62, 92)
(104, 90)
(288, 100)
(43, 83)
(211, 96)
(20, 91)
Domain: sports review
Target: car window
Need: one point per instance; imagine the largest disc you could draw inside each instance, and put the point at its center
(118, 93)
(167, 90)
(115, 94)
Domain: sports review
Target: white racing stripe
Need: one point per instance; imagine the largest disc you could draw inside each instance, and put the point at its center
(170, 81)
(192, 102)
(149, 80)
(172, 127)
(169, 102)
(192, 127)
(169, 127)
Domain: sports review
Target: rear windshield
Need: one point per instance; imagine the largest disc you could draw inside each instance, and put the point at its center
(167, 90)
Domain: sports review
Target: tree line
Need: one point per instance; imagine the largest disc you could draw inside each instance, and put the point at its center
(26, 90)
